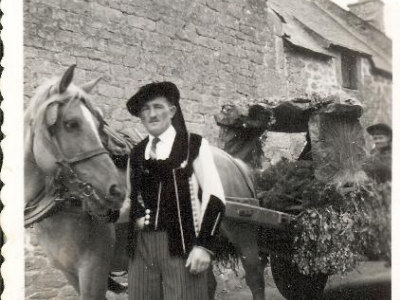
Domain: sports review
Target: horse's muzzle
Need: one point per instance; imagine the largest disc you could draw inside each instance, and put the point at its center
(115, 197)
(116, 192)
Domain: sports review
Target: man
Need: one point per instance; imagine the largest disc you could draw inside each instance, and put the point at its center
(382, 137)
(177, 202)
(379, 165)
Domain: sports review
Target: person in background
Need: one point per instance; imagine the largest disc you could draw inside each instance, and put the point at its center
(379, 164)
(177, 202)
(382, 137)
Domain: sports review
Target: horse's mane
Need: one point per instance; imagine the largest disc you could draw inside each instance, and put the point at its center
(35, 116)
(36, 126)
(36, 112)
(41, 100)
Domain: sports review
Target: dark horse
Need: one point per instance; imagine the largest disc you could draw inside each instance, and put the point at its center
(63, 148)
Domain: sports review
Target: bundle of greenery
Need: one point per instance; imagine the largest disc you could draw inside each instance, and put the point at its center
(337, 225)
(283, 187)
(354, 225)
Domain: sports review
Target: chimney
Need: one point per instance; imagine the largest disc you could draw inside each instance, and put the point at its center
(370, 11)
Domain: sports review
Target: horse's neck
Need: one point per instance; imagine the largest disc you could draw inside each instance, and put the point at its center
(34, 177)
(239, 143)
(227, 135)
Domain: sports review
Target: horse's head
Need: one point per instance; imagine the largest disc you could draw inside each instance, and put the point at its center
(66, 143)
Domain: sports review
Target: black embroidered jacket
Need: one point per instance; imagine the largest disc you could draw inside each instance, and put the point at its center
(163, 192)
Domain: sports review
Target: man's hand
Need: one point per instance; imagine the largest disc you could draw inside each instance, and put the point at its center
(120, 151)
(198, 261)
(139, 223)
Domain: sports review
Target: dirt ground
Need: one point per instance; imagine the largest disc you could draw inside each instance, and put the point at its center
(371, 281)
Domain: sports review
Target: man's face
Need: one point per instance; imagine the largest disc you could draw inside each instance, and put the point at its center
(156, 115)
(381, 140)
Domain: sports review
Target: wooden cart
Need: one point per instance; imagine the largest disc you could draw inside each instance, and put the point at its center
(276, 238)
(274, 228)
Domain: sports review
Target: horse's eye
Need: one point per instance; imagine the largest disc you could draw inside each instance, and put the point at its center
(71, 125)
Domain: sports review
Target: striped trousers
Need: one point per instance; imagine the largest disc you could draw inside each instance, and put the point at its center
(156, 275)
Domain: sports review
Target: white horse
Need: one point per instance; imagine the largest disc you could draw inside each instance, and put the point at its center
(65, 160)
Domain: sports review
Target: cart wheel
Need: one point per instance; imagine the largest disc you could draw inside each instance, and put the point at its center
(292, 284)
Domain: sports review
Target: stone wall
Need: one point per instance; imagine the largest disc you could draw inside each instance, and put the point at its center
(376, 94)
(279, 144)
(309, 74)
(215, 51)
(42, 280)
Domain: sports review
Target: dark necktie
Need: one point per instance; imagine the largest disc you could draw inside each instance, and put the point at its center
(153, 149)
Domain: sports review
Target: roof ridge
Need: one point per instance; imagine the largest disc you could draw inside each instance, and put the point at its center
(354, 34)
(353, 15)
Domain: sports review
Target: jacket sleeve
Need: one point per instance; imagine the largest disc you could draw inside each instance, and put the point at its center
(213, 198)
(120, 162)
(137, 210)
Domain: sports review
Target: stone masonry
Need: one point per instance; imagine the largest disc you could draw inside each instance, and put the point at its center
(216, 51)
(308, 75)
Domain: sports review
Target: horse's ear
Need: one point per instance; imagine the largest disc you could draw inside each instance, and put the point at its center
(65, 81)
(51, 114)
(88, 87)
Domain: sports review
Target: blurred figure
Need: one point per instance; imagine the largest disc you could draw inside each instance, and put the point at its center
(382, 136)
(379, 165)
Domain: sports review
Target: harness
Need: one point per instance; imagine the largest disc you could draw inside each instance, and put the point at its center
(68, 190)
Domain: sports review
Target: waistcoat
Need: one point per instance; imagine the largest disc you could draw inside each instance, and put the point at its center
(160, 190)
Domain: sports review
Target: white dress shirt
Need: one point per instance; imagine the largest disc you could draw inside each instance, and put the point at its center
(164, 146)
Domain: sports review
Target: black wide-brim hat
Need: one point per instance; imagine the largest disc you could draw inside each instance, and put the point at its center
(380, 128)
(150, 91)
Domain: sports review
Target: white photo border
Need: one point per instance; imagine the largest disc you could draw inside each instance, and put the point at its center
(12, 194)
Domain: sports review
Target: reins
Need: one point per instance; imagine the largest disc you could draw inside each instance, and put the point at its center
(75, 187)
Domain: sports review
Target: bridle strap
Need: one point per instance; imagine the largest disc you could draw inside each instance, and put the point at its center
(68, 181)
(87, 155)
(80, 157)
(83, 156)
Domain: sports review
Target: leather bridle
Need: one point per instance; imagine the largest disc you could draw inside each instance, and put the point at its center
(69, 188)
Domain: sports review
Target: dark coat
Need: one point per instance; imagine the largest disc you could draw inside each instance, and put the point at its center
(160, 189)
(379, 165)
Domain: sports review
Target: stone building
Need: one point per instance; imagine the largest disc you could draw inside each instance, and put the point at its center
(216, 51)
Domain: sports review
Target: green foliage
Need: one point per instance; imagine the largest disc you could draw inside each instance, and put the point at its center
(334, 238)
(337, 226)
(284, 187)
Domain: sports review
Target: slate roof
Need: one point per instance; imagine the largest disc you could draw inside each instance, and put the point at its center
(308, 25)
